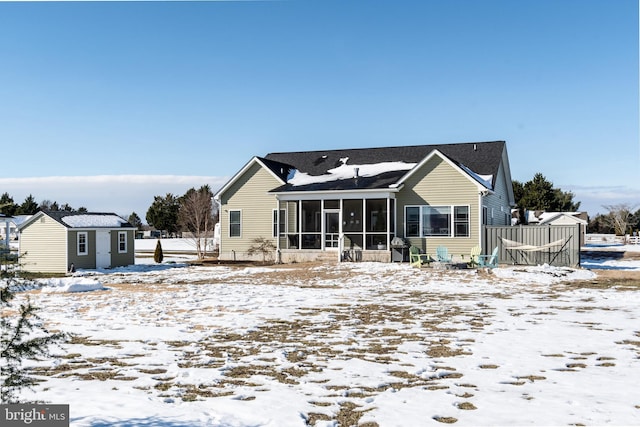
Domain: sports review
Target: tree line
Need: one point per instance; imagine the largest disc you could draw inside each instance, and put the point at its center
(195, 213)
(539, 194)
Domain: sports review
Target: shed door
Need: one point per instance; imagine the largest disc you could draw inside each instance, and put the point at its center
(103, 249)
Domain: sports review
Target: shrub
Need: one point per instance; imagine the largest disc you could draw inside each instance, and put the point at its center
(157, 254)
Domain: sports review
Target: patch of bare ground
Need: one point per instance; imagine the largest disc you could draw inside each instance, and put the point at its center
(622, 280)
(349, 414)
(446, 420)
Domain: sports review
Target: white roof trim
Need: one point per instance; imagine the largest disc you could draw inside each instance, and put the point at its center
(471, 176)
(34, 217)
(552, 216)
(242, 171)
(370, 193)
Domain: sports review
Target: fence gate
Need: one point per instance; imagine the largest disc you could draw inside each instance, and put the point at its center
(557, 245)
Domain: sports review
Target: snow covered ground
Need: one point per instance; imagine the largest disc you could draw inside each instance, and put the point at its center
(367, 344)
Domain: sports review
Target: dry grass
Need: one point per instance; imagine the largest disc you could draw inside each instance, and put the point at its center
(377, 332)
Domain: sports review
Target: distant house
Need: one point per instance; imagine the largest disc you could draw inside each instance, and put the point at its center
(10, 224)
(54, 241)
(562, 218)
(356, 201)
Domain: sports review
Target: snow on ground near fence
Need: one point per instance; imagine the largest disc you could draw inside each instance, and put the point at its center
(171, 345)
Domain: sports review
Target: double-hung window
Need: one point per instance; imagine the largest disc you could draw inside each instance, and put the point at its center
(281, 219)
(122, 242)
(235, 219)
(461, 221)
(82, 243)
(437, 221)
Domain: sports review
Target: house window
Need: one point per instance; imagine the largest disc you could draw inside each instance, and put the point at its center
(413, 221)
(461, 221)
(282, 219)
(234, 223)
(437, 221)
(122, 242)
(82, 246)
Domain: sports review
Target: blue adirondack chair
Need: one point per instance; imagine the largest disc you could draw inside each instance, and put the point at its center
(442, 254)
(488, 261)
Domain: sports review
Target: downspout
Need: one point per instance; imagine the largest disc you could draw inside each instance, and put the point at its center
(388, 225)
(340, 232)
(481, 230)
(278, 252)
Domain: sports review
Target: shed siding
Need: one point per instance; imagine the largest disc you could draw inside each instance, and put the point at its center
(82, 261)
(43, 246)
(249, 194)
(126, 258)
(440, 184)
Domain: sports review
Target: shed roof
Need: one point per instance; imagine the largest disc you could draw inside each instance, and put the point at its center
(83, 219)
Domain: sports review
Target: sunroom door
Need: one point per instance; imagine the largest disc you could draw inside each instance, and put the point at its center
(331, 229)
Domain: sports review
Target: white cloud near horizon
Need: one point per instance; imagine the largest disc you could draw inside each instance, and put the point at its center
(121, 194)
(593, 199)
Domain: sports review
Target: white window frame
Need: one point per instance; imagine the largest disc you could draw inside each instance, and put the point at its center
(85, 243)
(452, 221)
(239, 223)
(279, 219)
(124, 241)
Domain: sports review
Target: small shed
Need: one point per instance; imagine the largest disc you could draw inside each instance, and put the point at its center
(59, 241)
(567, 218)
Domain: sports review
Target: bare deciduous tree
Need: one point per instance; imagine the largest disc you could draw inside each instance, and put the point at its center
(618, 217)
(196, 216)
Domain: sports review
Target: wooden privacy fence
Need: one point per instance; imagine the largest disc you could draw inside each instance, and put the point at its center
(557, 245)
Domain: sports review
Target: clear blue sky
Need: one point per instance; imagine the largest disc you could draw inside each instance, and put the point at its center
(198, 88)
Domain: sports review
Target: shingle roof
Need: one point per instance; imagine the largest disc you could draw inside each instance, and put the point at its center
(483, 158)
(88, 219)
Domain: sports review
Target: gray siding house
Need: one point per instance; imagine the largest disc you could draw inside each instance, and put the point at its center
(353, 202)
(53, 241)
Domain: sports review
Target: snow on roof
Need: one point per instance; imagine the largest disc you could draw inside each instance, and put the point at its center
(485, 180)
(547, 217)
(88, 220)
(345, 171)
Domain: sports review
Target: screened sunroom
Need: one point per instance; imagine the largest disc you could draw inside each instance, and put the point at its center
(348, 225)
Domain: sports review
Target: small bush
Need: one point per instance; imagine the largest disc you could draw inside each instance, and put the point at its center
(157, 254)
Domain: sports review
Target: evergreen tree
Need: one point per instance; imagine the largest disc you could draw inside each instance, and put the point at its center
(163, 213)
(22, 336)
(28, 207)
(539, 194)
(634, 221)
(135, 220)
(7, 206)
(597, 225)
(157, 254)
